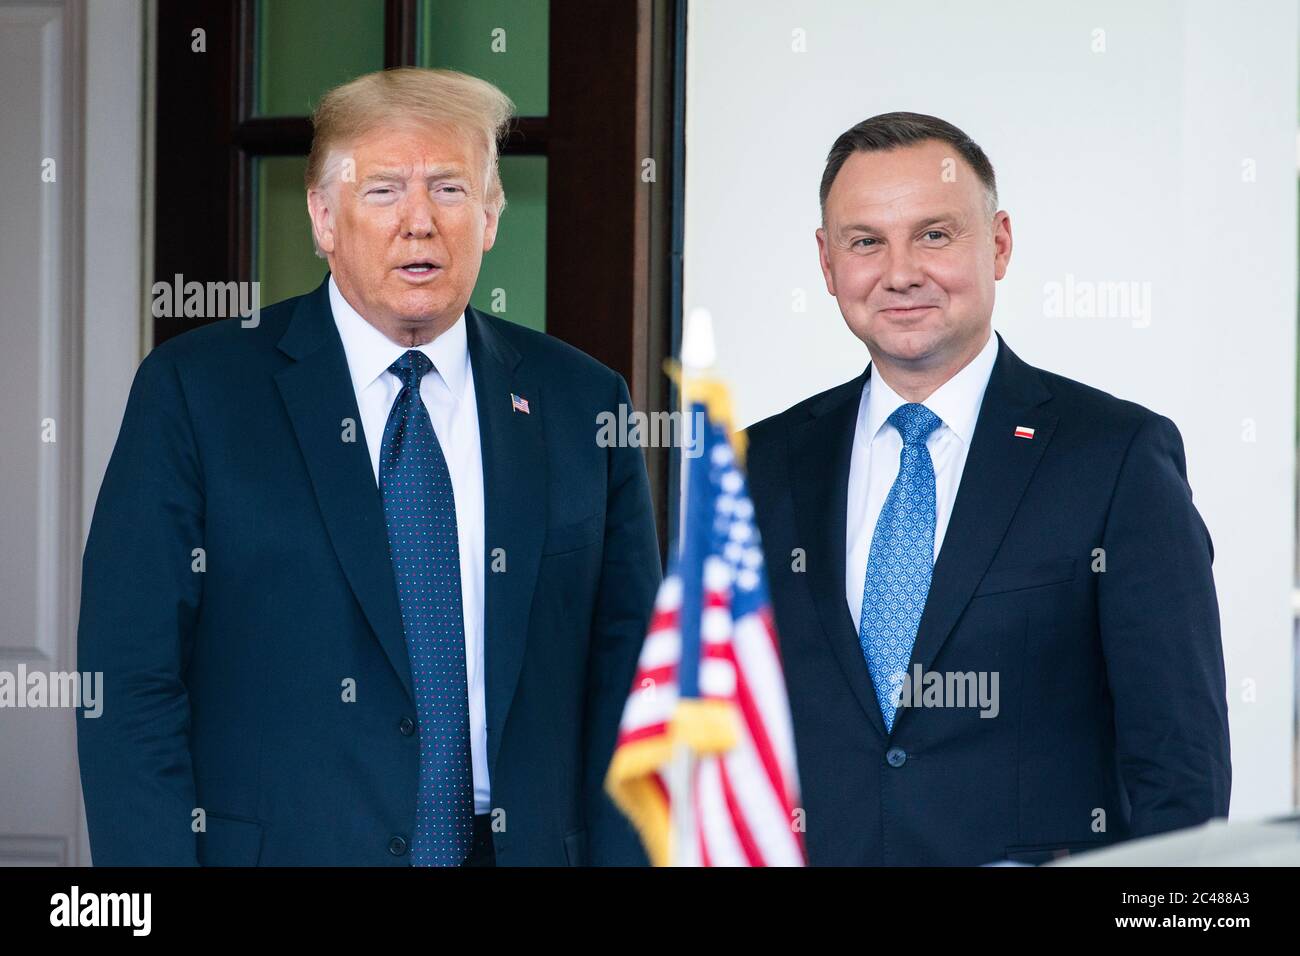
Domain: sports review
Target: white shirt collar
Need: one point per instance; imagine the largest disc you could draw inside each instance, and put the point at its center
(369, 352)
(956, 402)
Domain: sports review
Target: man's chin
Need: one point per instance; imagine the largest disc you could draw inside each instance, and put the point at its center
(417, 309)
(917, 347)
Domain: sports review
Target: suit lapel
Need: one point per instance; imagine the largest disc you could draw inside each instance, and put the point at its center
(820, 451)
(998, 469)
(514, 497)
(318, 395)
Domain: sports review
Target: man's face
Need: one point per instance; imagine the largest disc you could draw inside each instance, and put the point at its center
(405, 238)
(911, 254)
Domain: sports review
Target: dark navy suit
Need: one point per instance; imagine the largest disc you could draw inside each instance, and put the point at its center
(224, 687)
(1113, 717)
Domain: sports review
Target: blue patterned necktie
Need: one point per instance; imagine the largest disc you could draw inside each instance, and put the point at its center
(420, 510)
(901, 560)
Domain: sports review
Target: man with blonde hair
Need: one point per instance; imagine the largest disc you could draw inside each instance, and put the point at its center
(363, 586)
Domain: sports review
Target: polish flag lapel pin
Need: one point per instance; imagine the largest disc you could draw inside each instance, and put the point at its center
(1024, 431)
(518, 403)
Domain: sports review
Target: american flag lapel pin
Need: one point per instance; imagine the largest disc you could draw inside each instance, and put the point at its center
(518, 403)
(1024, 431)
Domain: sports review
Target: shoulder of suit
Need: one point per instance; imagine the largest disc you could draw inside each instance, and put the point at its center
(547, 351)
(1101, 409)
(771, 427)
(229, 340)
(1071, 398)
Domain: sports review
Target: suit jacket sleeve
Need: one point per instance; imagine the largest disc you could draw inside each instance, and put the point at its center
(1159, 622)
(139, 599)
(629, 578)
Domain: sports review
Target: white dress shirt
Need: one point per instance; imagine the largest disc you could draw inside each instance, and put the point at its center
(448, 394)
(877, 446)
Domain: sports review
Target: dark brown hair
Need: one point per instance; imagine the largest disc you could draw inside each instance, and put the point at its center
(893, 130)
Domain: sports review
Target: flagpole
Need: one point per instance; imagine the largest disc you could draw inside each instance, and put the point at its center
(682, 768)
(698, 357)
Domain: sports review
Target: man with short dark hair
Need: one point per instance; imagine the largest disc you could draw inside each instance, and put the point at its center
(1001, 639)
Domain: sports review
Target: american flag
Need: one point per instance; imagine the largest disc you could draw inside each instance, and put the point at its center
(705, 761)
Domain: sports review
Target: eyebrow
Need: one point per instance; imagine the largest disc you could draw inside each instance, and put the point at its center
(952, 218)
(438, 172)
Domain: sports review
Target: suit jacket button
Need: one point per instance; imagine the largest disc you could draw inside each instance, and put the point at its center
(397, 846)
(896, 756)
(406, 726)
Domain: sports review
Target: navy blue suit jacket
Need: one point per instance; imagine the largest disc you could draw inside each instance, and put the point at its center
(1112, 718)
(224, 687)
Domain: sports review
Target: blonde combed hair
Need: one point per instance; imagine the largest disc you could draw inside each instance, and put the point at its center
(404, 95)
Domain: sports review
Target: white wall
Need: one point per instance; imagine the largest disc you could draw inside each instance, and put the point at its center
(1168, 159)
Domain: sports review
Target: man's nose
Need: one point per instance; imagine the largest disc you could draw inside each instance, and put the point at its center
(417, 214)
(902, 271)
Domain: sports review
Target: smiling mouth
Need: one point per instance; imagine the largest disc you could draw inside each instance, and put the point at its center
(908, 310)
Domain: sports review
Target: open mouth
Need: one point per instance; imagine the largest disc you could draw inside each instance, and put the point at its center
(419, 268)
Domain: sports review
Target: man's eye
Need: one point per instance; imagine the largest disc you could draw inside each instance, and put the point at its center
(381, 190)
(861, 243)
(454, 189)
(936, 233)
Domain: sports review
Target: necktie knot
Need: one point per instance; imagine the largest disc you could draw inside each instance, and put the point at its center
(914, 422)
(411, 367)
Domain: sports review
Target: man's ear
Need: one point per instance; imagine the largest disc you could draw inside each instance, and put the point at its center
(1001, 243)
(492, 216)
(824, 257)
(321, 210)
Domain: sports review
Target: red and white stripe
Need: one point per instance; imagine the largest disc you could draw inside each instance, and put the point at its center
(744, 800)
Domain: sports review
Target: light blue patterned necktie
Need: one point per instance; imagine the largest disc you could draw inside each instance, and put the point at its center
(901, 560)
(420, 509)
